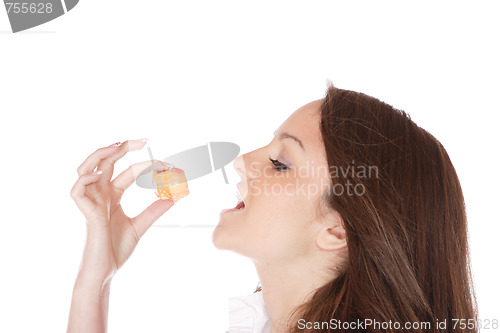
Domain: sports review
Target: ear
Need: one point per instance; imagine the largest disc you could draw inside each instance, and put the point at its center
(332, 235)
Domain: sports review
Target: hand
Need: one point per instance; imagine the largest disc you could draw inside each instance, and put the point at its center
(111, 235)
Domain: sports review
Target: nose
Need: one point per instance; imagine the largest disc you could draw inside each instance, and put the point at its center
(239, 166)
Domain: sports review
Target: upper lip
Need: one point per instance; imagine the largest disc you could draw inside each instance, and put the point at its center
(240, 195)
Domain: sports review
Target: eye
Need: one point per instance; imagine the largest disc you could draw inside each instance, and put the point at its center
(278, 165)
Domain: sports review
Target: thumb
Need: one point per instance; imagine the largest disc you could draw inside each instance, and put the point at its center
(144, 220)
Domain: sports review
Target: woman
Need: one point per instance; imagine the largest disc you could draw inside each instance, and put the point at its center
(354, 218)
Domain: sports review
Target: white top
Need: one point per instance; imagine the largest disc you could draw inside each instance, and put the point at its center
(248, 314)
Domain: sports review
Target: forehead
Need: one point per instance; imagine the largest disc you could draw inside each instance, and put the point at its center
(304, 124)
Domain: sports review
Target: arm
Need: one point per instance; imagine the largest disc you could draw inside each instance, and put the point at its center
(89, 304)
(111, 235)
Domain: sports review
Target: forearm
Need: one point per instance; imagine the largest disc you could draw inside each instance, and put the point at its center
(89, 305)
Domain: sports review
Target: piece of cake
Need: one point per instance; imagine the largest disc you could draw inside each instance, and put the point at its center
(170, 184)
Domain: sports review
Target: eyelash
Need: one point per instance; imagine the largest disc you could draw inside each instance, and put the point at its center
(278, 165)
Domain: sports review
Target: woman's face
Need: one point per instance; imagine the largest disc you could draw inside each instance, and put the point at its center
(280, 220)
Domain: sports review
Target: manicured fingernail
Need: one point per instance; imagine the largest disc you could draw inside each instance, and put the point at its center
(98, 172)
(137, 144)
(115, 144)
(142, 140)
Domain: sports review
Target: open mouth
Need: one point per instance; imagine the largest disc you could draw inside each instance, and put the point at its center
(239, 206)
(241, 201)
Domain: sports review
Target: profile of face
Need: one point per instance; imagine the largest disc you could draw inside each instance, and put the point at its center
(282, 184)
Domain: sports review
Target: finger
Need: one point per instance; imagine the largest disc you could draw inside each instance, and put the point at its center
(95, 158)
(128, 177)
(144, 220)
(107, 164)
(77, 193)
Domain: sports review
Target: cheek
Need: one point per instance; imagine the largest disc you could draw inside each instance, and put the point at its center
(277, 229)
(276, 206)
(292, 199)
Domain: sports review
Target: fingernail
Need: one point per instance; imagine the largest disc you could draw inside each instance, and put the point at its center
(142, 140)
(115, 144)
(98, 172)
(137, 144)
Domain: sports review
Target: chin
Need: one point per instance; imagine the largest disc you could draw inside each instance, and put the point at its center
(226, 232)
(216, 241)
(219, 240)
(224, 240)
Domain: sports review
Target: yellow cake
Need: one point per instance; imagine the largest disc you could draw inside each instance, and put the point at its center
(170, 184)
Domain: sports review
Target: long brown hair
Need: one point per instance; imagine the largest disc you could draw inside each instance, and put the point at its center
(407, 243)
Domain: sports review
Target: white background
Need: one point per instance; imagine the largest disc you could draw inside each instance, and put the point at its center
(184, 73)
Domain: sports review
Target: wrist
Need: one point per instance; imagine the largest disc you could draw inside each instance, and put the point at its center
(98, 262)
(89, 283)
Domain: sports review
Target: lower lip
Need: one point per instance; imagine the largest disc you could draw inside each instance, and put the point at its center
(232, 210)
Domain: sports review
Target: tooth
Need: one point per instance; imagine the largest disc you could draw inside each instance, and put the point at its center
(238, 196)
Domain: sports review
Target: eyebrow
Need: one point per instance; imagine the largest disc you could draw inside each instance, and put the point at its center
(285, 135)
